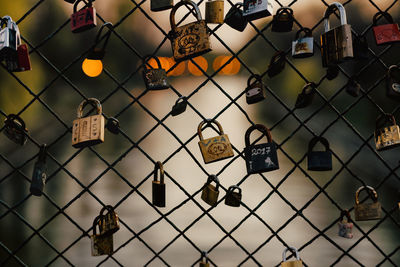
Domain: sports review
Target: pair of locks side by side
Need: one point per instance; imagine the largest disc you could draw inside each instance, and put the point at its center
(108, 224)
(210, 193)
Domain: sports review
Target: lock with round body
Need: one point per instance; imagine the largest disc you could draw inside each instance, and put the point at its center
(8, 37)
(85, 18)
(336, 43)
(387, 33)
(387, 133)
(277, 64)
(101, 244)
(204, 260)
(353, 88)
(256, 9)
(39, 175)
(393, 82)
(282, 21)
(109, 222)
(179, 106)
(303, 46)
(345, 227)
(233, 198)
(305, 98)
(158, 186)
(160, 5)
(215, 11)
(15, 130)
(190, 40)
(319, 160)
(88, 131)
(210, 192)
(235, 18)
(260, 157)
(215, 148)
(254, 90)
(154, 79)
(367, 211)
(296, 263)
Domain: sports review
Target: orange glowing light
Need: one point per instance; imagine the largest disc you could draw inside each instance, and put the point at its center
(178, 70)
(202, 65)
(92, 67)
(217, 63)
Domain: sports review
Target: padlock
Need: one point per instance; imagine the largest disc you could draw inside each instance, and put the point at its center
(19, 60)
(70, 1)
(8, 37)
(15, 130)
(353, 88)
(160, 5)
(277, 64)
(215, 11)
(303, 46)
(345, 227)
(158, 186)
(360, 47)
(261, 157)
(210, 192)
(337, 43)
(387, 33)
(190, 40)
(214, 148)
(256, 9)
(204, 260)
(254, 90)
(101, 244)
(109, 222)
(233, 198)
(367, 211)
(88, 131)
(154, 79)
(387, 133)
(85, 18)
(393, 82)
(332, 72)
(235, 18)
(113, 125)
(39, 175)
(179, 106)
(319, 160)
(282, 21)
(305, 98)
(296, 263)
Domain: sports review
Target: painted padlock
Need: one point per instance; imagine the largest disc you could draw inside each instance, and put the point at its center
(85, 18)
(367, 211)
(345, 226)
(210, 192)
(386, 33)
(319, 160)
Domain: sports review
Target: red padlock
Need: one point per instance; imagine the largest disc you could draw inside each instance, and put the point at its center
(387, 33)
(84, 19)
(24, 63)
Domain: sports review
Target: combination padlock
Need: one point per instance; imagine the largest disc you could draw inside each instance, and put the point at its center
(39, 175)
(15, 130)
(109, 222)
(179, 106)
(233, 198)
(303, 46)
(101, 244)
(393, 82)
(235, 18)
(154, 78)
(387, 133)
(159, 186)
(387, 33)
(210, 192)
(345, 226)
(277, 64)
(254, 90)
(305, 98)
(160, 5)
(353, 88)
(282, 21)
(85, 18)
(367, 211)
(319, 160)
(295, 263)
(215, 11)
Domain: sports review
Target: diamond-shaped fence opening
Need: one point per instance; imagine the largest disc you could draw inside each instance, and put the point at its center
(291, 206)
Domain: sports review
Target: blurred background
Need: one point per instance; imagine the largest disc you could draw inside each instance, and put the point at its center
(289, 206)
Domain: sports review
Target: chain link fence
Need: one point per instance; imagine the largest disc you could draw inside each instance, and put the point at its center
(287, 207)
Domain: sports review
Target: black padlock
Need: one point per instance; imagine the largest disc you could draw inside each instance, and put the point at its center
(180, 106)
(319, 160)
(393, 82)
(70, 1)
(305, 98)
(332, 72)
(254, 90)
(353, 87)
(39, 175)
(283, 20)
(112, 125)
(360, 47)
(262, 157)
(158, 186)
(233, 198)
(277, 64)
(235, 18)
(15, 130)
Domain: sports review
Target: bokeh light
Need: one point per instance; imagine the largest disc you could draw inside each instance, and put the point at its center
(202, 65)
(92, 67)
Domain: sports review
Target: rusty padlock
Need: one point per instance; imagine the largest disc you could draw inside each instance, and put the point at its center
(210, 192)
(254, 90)
(345, 227)
(101, 244)
(154, 78)
(282, 21)
(387, 132)
(215, 11)
(15, 130)
(387, 33)
(233, 198)
(110, 221)
(159, 186)
(85, 18)
(367, 211)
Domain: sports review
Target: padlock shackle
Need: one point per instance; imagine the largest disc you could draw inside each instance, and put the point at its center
(283, 10)
(13, 119)
(259, 127)
(371, 191)
(147, 58)
(331, 9)
(307, 33)
(87, 4)
(393, 68)
(204, 256)
(94, 102)
(213, 178)
(345, 213)
(293, 249)
(254, 76)
(110, 27)
(233, 187)
(317, 139)
(181, 98)
(179, 4)
(381, 14)
(306, 89)
(107, 208)
(159, 166)
(383, 119)
(208, 124)
(97, 222)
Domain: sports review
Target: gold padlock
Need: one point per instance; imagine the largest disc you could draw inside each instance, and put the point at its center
(215, 11)
(101, 244)
(110, 222)
(367, 211)
(204, 260)
(210, 192)
(296, 263)
(387, 133)
(88, 131)
(214, 148)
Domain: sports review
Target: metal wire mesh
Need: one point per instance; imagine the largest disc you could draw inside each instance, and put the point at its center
(334, 114)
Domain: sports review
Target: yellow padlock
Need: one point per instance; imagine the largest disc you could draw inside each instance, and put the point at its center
(296, 263)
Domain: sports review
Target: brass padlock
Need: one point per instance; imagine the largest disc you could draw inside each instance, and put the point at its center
(254, 90)
(305, 98)
(387, 133)
(160, 5)
(88, 131)
(15, 130)
(215, 11)
(204, 260)
(214, 148)
(296, 263)
(109, 222)
(101, 244)
(190, 40)
(367, 211)
(158, 186)
(345, 227)
(210, 192)
(233, 198)
(154, 78)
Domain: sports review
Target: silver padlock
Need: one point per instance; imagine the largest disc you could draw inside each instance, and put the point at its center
(8, 38)
(303, 46)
